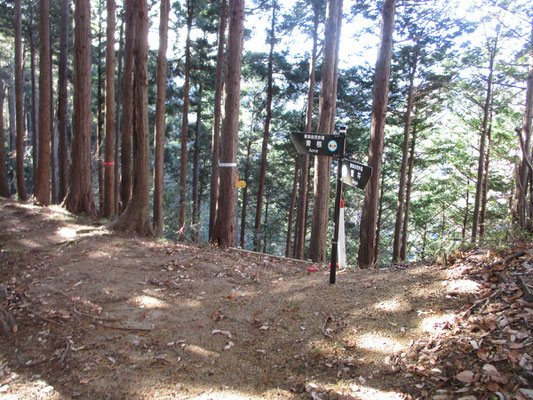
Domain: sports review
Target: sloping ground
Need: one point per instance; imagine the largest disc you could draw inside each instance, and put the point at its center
(102, 315)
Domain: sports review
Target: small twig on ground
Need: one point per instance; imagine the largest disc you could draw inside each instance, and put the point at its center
(507, 259)
(126, 328)
(94, 316)
(64, 355)
(41, 317)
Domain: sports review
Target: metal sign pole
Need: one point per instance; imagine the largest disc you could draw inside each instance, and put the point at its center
(338, 194)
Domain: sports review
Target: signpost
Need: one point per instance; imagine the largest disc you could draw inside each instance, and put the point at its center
(349, 172)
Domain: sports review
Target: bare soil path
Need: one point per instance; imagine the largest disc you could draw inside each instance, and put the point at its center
(101, 315)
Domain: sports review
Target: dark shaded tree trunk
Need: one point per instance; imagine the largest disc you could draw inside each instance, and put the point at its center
(409, 187)
(127, 108)
(109, 156)
(160, 110)
(63, 102)
(291, 208)
(378, 225)
(100, 113)
(379, 109)
(80, 197)
(136, 216)
(4, 187)
(19, 104)
(42, 192)
(224, 231)
(303, 195)
(485, 187)
(215, 141)
(266, 133)
(185, 121)
(326, 124)
(120, 74)
(196, 171)
(467, 211)
(396, 244)
(245, 193)
(33, 111)
(265, 236)
(484, 128)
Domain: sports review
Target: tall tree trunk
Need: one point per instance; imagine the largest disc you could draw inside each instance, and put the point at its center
(405, 226)
(301, 217)
(160, 110)
(34, 119)
(100, 113)
(224, 231)
(4, 187)
(245, 192)
(528, 117)
(326, 124)
(127, 107)
(120, 74)
(196, 172)
(80, 197)
(53, 133)
(215, 141)
(136, 216)
(484, 128)
(293, 204)
(109, 158)
(266, 133)
(405, 149)
(19, 103)
(467, 211)
(185, 121)
(265, 238)
(42, 192)
(63, 101)
(379, 109)
(485, 187)
(378, 224)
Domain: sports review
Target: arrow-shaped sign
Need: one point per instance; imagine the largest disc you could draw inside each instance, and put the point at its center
(355, 174)
(320, 144)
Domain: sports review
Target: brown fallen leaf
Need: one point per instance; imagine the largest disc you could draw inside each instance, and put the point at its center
(465, 376)
(494, 374)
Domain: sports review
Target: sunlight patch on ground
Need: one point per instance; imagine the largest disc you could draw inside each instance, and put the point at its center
(379, 343)
(144, 301)
(394, 304)
(202, 352)
(67, 233)
(359, 390)
(437, 323)
(462, 286)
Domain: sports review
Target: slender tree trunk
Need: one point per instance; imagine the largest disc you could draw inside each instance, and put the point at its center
(245, 192)
(405, 150)
(80, 197)
(224, 231)
(12, 113)
(109, 157)
(63, 101)
(53, 133)
(100, 113)
(410, 173)
(379, 109)
(378, 224)
(34, 120)
(185, 121)
(301, 217)
(326, 124)
(215, 141)
(293, 204)
(117, 117)
(527, 119)
(266, 134)
(485, 187)
(42, 192)
(19, 105)
(484, 128)
(265, 236)
(136, 216)
(127, 107)
(196, 172)
(160, 111)
(4, 187)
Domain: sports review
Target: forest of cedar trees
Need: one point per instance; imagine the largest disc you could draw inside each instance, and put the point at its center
(173, 119)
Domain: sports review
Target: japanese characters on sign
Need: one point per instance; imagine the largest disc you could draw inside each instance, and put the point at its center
(355, 174)
(319, 144)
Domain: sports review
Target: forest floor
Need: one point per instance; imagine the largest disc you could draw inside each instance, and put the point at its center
(101, 315)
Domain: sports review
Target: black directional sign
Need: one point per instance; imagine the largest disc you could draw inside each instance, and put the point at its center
(320, 144)
(355, 174)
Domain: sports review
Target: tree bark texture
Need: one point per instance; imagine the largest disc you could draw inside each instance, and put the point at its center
(120, 74)
(4, 187)
(266, 133)
(366, 256)
(215, 141)
(326, 124)
(196, 171)
(127, 107)
(42, 192)
(33, 110)
(136, 216)
(185, 121)
(485, 187)
(409, 187)
(224, 232)
(100, 100)
(63, 102)
(80, 197)
(160, 110)
(109, 155)
(303, 195)
(291, 207)
(396, 244)
(19, 103)
(484, 129)
(245, 193)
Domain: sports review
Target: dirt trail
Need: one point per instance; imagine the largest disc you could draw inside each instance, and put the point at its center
(102, 315)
